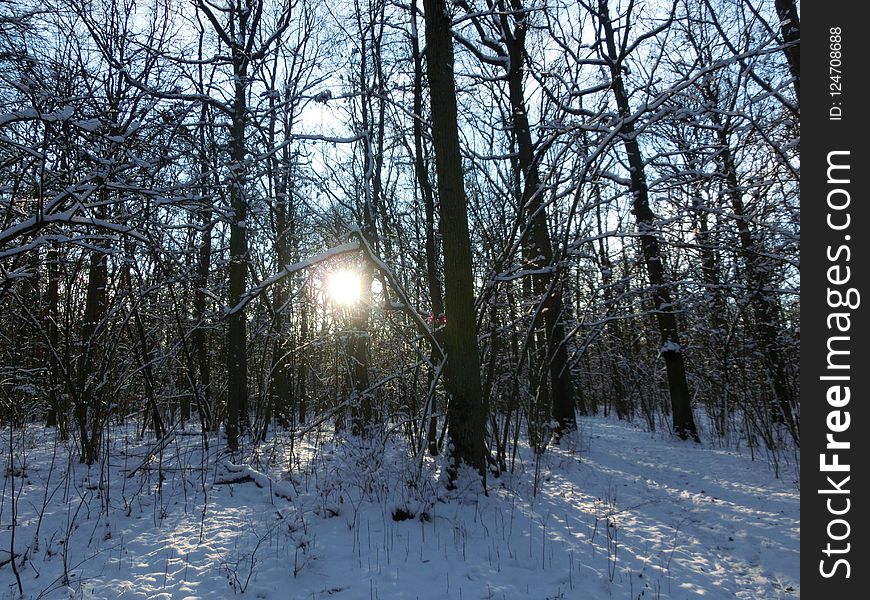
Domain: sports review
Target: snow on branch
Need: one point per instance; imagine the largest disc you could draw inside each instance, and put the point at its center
(158, 447)
(418, 319)
(233, 473)
(31, 114)
(360, 243)
(288, 270)
(29, 226)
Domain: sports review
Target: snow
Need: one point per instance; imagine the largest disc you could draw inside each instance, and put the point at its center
(670, 346)
(90, 124)
(624, 514)
(29, 114)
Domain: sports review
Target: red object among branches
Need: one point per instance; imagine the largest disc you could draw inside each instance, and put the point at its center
(437, 321)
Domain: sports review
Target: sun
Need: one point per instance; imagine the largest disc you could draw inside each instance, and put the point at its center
(344, 287)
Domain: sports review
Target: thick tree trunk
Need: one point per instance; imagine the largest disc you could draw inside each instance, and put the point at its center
(88, 404)
(432, 276)
(361, 415)
(237, 356)
(462, 372)
(790, 26)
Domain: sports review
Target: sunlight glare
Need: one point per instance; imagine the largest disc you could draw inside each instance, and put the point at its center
(344, 287)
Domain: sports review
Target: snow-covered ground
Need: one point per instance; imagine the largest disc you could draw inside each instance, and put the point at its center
(626, 514)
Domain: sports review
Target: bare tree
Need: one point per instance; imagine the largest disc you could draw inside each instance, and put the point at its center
(462, 371)
(614, 50)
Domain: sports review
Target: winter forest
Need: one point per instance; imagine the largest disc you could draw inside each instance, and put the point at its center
(404, 299)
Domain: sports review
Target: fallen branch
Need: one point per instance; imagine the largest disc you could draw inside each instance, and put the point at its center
(245, 474)
(159, 446)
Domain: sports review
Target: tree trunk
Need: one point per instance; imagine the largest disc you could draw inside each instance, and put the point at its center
(88, 407)
(614, 329)
(432, 276)
(200, 335)
(790, 26)
(237, 355)
(765, 313)
(539, 246)
(462, 372)
(280, 388)
(663, 304)
(55, 415)
(302, 364)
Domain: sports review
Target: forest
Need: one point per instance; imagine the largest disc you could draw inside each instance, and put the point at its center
(400, 254)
